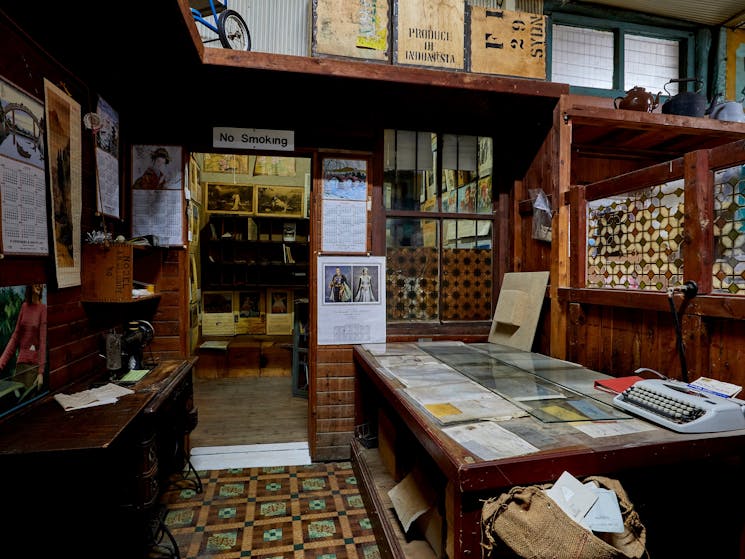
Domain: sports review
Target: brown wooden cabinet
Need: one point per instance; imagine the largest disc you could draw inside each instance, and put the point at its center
(96, 474)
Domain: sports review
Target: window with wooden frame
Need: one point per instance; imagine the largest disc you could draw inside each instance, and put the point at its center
(607, 58)
(439, 226)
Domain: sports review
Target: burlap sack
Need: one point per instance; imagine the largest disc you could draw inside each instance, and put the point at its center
(526, 523)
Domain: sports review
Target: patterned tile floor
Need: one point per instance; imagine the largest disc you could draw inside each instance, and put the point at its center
(283, 512)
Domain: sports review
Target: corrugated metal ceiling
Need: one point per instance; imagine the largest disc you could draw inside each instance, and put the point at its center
(727, 13)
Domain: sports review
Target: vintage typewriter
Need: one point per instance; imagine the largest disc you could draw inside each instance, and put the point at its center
(674, 405)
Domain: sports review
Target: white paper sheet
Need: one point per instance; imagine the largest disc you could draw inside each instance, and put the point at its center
(106, 394)
(489, 441)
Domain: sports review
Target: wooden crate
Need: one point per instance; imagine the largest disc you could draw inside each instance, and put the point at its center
(107, 273)
(244, 358)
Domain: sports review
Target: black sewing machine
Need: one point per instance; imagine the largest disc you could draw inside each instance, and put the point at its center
(124, 352)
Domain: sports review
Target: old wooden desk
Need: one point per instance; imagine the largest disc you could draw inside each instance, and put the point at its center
(85, 483)
(677, 482)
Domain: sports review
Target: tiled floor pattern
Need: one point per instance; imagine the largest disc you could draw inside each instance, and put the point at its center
(281, 512)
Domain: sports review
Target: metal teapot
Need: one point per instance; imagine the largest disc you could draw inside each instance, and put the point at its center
(637, 99)
(686, 103)
(725, 110)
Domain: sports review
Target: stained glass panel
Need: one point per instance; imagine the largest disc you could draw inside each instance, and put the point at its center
(634, 240)
(729, 231)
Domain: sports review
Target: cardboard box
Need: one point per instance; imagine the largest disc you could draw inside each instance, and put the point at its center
(414, 500)
(107, 273)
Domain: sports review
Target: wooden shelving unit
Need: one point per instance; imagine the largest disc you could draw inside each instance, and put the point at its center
(240, 252)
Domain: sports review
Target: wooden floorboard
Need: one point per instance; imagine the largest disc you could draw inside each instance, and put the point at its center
(248, 410)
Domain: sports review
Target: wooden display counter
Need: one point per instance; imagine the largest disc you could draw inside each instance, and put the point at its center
(661, 470)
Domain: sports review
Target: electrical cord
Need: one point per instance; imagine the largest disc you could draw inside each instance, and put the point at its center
(689, 289)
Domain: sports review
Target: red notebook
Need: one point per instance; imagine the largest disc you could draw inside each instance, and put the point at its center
(616, 385)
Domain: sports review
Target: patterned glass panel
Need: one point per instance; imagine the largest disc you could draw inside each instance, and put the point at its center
(729, 231)
(634, 240)
(412, 283)
(466, 284)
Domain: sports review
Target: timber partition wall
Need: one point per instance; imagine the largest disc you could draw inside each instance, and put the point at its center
(635, 235)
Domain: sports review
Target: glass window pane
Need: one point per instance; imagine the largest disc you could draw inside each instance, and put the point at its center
(484, 198)
(412, 270)
(582, 57)
(416, 247)
(650, 63)
(460, 173)
(405, 150)
(409, 174)
(468, 153)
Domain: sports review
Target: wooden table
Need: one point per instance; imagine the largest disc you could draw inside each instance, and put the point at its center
(665, 473)
(85, 483)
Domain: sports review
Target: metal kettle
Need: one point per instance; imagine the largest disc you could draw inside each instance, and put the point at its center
(685, 103)
(637, 99)
(726, 110)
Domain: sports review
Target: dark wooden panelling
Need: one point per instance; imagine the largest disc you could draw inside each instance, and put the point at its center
(338, 384)
(344, 425)
(75, 332)
(335, 398)
(328, 412)
(333, 401)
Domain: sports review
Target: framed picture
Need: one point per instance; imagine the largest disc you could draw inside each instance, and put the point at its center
(24, 367)
(280, 201)
(249, 308)
(217, 313)
(279, 301)
(195, 187)
(279, 311)
(226, 163)
(238, 199)
(249, 304)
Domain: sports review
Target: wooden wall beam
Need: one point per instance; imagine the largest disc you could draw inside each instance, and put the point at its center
(698, 246)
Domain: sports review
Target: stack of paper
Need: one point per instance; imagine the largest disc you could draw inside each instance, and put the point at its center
(107, 394)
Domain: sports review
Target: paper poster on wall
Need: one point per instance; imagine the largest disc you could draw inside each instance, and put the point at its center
(157, 193)
(64, 149)
(23, 188)
(344, 227)
(344, 208)
(107, 159)
(351, 299)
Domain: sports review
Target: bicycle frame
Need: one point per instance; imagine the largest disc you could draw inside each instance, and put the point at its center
(228, 25)
(216, 8)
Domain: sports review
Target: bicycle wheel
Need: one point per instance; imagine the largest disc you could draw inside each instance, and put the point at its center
(233, 31)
